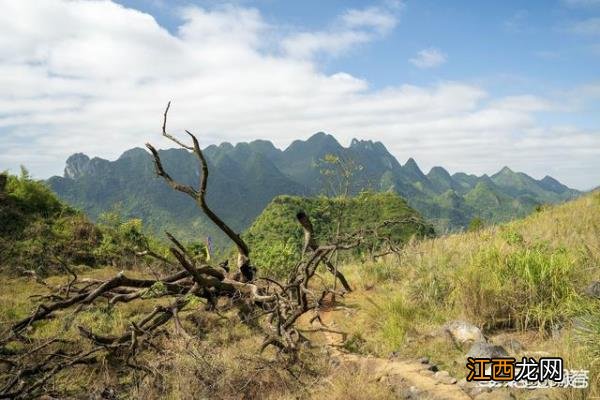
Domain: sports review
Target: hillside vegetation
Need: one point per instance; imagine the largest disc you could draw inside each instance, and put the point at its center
(528, 280)
(247, 176)
(40, 233)
(524, 281)
(276, 238)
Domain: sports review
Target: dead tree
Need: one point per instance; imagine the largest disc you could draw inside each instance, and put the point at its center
(273, 307)
(311, 244)
(199, 195)
(3, 180)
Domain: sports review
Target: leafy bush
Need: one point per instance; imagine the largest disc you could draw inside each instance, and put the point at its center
(120, 238)
(198, 251)
(276, 238)
(32, 196)
(275, 259)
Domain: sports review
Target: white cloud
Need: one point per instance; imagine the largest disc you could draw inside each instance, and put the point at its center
(95, 77)
(352, 28)
(380, 20)
(428, 58)
(527, 103)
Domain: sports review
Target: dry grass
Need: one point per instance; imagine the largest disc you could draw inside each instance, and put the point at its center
(221, 360)
(352, 383)
(525, 278)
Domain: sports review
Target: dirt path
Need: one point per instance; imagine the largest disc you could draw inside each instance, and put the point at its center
(409, 377)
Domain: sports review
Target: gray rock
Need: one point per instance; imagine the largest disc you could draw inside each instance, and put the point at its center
(556, 331)
(108, 394)
(410, 393)
(511, 345)
(472, 388)
(77, 166)
(424, 360)
(444, 377)
(593, 290)
(486, 350)
(463, 332)
(414, 391)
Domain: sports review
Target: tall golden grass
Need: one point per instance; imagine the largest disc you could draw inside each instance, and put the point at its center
(526, 278)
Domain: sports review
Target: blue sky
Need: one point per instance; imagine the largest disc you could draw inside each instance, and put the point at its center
(469, 85)
(508, 45)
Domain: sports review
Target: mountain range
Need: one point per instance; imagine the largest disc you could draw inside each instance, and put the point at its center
(245, 177)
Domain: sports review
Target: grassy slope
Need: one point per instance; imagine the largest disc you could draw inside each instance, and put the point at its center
(520, 280)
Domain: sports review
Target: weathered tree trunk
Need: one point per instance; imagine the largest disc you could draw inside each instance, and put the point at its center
(3, 181)
(310, 243)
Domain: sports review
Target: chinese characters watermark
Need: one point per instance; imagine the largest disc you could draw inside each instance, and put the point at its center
(528, 373)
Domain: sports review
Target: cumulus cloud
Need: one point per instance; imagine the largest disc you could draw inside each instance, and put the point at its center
(525, 103)
(353, 27)
(95, 77)
(428, 58)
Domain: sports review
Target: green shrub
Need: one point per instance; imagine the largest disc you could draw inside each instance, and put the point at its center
(37, 231)
(275, 259)
(121, 239)
(276, 238)
(198, 251)
(475, 224)
(32, 196)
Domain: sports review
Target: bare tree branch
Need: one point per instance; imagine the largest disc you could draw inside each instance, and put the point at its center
(199, 195)
(164, 129)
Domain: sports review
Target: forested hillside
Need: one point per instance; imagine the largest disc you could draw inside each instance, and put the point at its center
(246, 177)
(276, 238)
(40, 234)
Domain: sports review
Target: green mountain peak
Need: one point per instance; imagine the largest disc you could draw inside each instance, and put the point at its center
(245, 177)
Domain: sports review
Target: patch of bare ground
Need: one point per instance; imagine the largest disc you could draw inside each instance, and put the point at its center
(407, 378)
